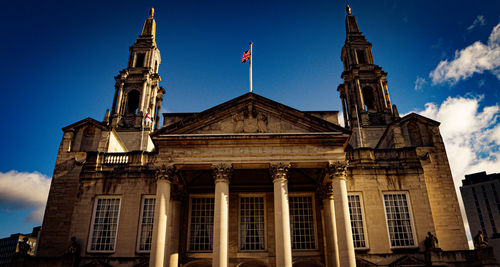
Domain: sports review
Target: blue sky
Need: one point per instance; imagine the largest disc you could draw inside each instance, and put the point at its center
(59, 59)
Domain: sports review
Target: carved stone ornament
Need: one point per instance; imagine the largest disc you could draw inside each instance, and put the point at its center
(222, 172)
(325, 190)
(250, 121)
(166, 173)
(337, 169)
(279, 171)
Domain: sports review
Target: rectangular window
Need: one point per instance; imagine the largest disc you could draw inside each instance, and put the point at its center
(361, 56)
(201, 224)
(358, 232)
(252, 214)
(146, 223)
(139, 60)
(104, 224)
(302, 222)
(398, 220)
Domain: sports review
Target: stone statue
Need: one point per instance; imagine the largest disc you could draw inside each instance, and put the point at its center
(74, 252)
(480, 240)
(348, 9)
(430, 241)
(24, 247)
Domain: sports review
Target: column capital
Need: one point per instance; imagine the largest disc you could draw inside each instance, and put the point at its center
(337, 169)
(222, 172)
(325, 191)
(166, 173)
(279, 171)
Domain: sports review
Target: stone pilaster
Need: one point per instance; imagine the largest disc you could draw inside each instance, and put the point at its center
(164, 176)
(337, 175)
(329, 222)
(222, 174)
(281, 214)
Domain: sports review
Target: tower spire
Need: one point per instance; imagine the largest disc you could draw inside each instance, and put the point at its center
(351, 25)
(149, 28)
(137, 90)
(365, 98)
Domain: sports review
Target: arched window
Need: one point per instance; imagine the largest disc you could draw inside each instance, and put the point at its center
(156, 66)
(415, 135)
(133, 101)
(368, 98)
(87, 139)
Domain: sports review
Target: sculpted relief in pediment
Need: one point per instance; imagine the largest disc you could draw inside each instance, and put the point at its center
(250, 120)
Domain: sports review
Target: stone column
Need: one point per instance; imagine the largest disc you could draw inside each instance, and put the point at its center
(174, 220)
(332, 250)
(281, 215)
(337, 173)
(222, 174)
(164, 176)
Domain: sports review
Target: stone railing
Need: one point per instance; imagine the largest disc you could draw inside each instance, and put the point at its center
(134, 158)
(116, 158)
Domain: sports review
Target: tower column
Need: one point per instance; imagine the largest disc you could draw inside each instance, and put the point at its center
(281, 215)
(332, 250)
(337, 173)
(222, 175)
(119, 99)
(164, 177)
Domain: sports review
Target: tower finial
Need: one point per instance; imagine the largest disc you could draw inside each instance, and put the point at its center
(348, 9)
(151, 12)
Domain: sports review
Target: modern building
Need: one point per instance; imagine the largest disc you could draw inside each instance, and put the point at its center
(480, 193)
(9, 246)
(252, 182)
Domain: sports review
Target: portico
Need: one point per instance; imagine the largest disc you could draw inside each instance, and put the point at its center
(277, 177)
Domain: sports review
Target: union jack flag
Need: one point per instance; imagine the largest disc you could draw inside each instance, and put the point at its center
(246, 56)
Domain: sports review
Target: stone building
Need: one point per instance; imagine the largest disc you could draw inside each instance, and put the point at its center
(480, 192)
(252, 182)
(13, 244)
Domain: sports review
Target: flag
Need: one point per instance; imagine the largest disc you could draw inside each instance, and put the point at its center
(246, 56)
(148, 118)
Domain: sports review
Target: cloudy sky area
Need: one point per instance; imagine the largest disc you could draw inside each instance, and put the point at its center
(442, 59)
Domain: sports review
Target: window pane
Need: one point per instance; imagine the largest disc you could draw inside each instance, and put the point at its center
(146, 227)
(398, 220)
(252, 223)
(202, 224)
(302, 222)
(105, 224)
(358, 233)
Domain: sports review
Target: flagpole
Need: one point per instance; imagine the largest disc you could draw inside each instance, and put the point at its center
(250, 74)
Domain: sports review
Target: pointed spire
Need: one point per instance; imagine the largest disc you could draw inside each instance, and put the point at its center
(351, 25)
(149, 28)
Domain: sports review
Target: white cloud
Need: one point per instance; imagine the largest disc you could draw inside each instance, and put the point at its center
(24, 190)
(475, 58)
(479, 21)
(419, 82)
(471, 136)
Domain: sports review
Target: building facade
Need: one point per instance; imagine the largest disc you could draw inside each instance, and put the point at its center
(480, 192)
(252, 182)
(9, 246)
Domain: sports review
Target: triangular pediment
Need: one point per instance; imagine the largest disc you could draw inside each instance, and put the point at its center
(249, 113)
